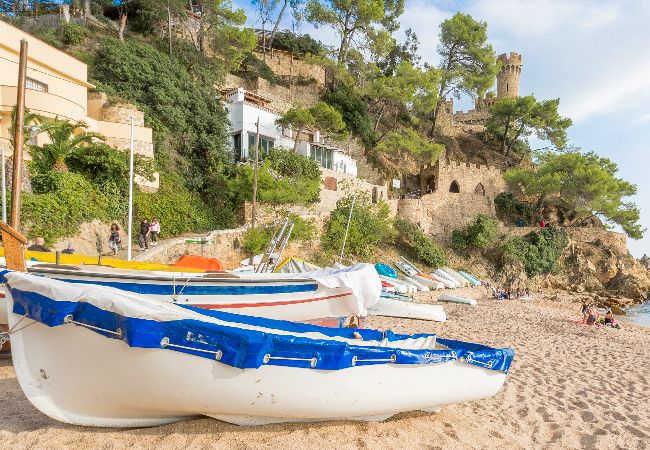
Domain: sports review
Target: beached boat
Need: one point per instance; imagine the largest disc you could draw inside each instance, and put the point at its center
(414, 273)
(462, 281)
(447, 298)
(471, 278)
(314, 295)
(448, 280)
(96, 356)
(390, 306)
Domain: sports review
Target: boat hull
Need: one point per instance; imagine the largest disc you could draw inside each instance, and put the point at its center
(77, 376)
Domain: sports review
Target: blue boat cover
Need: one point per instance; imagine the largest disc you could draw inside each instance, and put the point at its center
(385, 270)
(253, 347)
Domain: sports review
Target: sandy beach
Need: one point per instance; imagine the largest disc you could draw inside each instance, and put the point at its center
(570, 386)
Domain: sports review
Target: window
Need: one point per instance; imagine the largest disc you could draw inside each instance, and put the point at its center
(266, 144)
(323, 156)
(480, 189)
(236, 146)
(455, 188)
(35, 85)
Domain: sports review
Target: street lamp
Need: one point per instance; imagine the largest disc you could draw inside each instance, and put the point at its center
(130, 225)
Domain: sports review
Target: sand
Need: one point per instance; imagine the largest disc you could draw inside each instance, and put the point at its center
(570, 386)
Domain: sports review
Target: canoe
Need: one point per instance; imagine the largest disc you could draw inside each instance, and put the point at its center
(448, 280)
(391, 307)
(421, 277)
(97, 356)
(471, 278)
(457, 299)
(314, 295)
(462, 282)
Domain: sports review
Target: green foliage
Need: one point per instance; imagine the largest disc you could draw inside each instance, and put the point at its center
(354, 110)
(72, 34)
(253, 67)
(510, 209)
(420, 244)
(256, 240)
(299, 44)
(410, 144)
(320, 116)
(370, 226)
(480, 233)
(538, 251)
(584, 185)
(69, 201)
(468, 61)
(514, 119)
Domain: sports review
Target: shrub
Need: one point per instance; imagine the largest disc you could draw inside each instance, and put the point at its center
(538, 251)
(420, 244)
(370, 226)
(300, 44)
(509, 209)
(256, 240)
(253, 67)
(354, 111)
(481, 233)
(72, 34)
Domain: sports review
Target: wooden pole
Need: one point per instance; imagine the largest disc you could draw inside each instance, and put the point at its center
(257, 148)
(19, 140)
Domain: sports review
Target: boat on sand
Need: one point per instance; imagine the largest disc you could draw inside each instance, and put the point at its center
(96, 356)
(457, 299)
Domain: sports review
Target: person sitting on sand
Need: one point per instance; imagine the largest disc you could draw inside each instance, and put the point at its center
(610, 321)
(583, 312)
(592, 315)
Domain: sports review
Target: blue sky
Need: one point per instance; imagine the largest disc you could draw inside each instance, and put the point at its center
(592, 54)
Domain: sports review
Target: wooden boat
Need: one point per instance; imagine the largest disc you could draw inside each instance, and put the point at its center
(316, 295)
(447, 298)
(96, 356)
(413, 272)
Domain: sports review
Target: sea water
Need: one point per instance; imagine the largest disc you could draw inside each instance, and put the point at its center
(639, 314)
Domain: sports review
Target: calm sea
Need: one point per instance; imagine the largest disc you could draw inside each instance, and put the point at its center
(640, 314)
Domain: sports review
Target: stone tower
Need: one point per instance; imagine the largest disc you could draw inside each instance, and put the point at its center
(508, 76)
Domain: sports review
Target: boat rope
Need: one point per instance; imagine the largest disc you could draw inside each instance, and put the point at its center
(69, 319)
(164, 343)
(470, 359)
(356, 360)
(176, 296)
(312, 361)
(5, 336)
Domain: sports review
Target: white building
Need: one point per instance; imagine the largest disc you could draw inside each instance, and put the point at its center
(245, 108)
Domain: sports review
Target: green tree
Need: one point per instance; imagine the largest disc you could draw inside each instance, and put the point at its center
(65, 139)
(480, 233)
(513, 119)
(321, 116)
(584, 185)
(408, 144)
(355, 19)
(168, 11)
(468, 61)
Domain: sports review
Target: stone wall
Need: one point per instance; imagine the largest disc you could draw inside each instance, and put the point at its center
(286, 65)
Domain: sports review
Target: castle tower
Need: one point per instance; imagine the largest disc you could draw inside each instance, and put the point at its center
(508, 76)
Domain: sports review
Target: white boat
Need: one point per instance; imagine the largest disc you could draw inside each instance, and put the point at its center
(419, 286)
(413, 272)
(390, 307)
(96, 356)
(319, 294)
(447, 298)
(448, 280)
(462, 282)
(471, 278)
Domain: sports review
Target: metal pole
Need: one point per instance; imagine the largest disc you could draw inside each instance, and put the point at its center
(4, 188)
(130, 225)
(257, 147)
(17, 179)
(347, 227)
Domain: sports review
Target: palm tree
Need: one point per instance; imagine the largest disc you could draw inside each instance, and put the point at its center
(30, 119)
(65, 138)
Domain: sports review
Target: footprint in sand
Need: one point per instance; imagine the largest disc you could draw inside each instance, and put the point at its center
(579, 404)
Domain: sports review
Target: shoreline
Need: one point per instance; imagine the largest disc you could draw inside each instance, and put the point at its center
(570, 386)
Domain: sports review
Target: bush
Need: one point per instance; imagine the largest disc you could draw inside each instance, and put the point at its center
(370, 226)
(539, 252)
(66, 200)
(481, 233)
(354, 111)
(253, 67)
(509, 209)
(300, 44)
(420, 244)
(256, 240)
(72, 34)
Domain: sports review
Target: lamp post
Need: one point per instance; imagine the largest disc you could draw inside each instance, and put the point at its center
(4, 189)
(130, 224)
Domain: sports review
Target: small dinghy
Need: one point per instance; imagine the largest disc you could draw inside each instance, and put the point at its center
(462, 281)
(413, 272)
(397, 307)
(448, 280)
(97, 356)
(471, 278)
(447, 298)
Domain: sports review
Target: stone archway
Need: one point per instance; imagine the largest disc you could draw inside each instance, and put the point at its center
(480, 189)
(454, 187)
(430, 184)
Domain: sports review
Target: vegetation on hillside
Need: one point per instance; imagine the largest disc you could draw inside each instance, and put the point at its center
(539, 251)
(419, 244)
(480, 233)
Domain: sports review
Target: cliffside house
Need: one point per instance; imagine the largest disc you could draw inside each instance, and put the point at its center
(246, 107)
(57, 86)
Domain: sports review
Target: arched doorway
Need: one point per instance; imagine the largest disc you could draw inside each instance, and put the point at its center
(454, 187)
(480, 189)
(430, 185)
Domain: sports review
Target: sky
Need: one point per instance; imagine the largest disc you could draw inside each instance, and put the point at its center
(592, 54)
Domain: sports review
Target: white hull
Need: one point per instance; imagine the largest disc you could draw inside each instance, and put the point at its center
(409, 310)
(462, 282)
(456, 299)
(446, 279)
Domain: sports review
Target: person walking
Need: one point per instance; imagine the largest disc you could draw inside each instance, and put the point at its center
(143, 237)
(114, 240)
(155, 231)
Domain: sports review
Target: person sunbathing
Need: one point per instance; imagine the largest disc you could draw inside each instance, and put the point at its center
(592, 315)
(610, 321)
